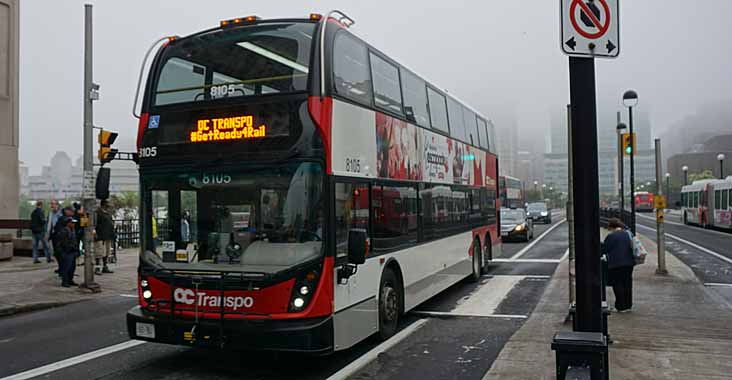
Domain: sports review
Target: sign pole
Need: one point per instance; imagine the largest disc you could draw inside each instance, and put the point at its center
(587, 207)
(660, 206)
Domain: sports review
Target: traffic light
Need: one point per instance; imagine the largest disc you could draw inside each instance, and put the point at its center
(106, 139)
(628, 144)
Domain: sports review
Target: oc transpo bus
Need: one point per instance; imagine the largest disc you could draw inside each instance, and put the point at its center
(708, 203)
(300, 190)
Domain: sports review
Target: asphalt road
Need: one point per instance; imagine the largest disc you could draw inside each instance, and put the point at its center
(707, 252)
(456, 334)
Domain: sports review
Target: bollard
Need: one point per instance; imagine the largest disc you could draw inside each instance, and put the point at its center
(583, 352)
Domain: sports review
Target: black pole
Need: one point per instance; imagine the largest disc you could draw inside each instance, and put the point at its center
(632, 172)
(585, 184)
(721, 169)
(686, 178)
(668, 188)
(621, 164)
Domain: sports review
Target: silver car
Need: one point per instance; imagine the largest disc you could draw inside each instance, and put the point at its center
(516, 225)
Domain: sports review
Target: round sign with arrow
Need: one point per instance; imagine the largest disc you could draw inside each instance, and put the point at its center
(590, 27)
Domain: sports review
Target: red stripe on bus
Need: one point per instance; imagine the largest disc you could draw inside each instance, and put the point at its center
(321, 111)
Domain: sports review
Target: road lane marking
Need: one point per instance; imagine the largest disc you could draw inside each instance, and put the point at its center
(536, 240)
(73, 361)
(552, 261)
(717, 284)
(525, 275)
(368, 357)
(693, 227)
(128, 295)
(454, 314)
(485, 299)
(697, 246)
(565, 255)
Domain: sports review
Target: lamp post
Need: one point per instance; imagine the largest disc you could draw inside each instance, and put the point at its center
(621, 177)
(630, 100)
(536, 183)
(685, 169)
(543, 189)
(668, 187)
(720, 158)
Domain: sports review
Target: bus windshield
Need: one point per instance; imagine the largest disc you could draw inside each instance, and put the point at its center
(262, 219)
(241, 61)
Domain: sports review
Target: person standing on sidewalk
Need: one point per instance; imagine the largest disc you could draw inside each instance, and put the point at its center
(619, 251)
(103, 235)
(53, 216)
(69, 248)
(38, 224)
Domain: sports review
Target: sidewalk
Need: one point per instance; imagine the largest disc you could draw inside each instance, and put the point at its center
(25, 286)
(677, 329)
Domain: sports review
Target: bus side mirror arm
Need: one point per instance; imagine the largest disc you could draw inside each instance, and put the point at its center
(358, 247)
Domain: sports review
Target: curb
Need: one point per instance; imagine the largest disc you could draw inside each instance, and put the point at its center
(13, 309)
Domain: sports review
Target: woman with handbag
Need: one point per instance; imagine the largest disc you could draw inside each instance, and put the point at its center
(618, 248)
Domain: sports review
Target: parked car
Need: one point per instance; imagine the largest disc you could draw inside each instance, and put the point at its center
(539, 212)
(516, 225)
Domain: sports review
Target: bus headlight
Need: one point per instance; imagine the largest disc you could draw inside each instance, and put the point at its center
(303, 291)
(147, 294)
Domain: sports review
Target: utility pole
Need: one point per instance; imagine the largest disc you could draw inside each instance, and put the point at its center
(570, 208)
(660, 236)
(632, 172)
(90, 95)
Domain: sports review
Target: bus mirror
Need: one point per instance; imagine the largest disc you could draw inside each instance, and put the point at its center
(357, 246)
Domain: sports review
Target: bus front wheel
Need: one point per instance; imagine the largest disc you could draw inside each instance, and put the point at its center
(390, 301)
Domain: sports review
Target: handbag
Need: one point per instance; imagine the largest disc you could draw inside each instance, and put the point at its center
(639, 251)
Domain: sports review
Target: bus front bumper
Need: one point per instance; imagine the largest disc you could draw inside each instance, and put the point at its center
(313, 335)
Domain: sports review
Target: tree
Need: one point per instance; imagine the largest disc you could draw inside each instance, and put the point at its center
(706, 174)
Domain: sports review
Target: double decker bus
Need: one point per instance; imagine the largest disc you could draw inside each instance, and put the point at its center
(512, 192)
(314, 189)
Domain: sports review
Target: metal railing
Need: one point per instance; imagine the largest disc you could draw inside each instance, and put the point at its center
(609, 213)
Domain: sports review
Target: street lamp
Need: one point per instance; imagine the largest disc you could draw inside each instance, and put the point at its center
(630, 100)
(685, 169)
(621, 163)
(720, 158)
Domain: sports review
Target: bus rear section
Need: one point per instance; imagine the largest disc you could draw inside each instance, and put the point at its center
(644, 201)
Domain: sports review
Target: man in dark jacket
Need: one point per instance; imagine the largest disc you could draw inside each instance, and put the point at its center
(69, 247)
(103, 236)
(618, 247)
(38, 226)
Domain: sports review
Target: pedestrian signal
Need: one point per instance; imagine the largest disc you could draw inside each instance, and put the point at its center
(106, 152)
(628, 144)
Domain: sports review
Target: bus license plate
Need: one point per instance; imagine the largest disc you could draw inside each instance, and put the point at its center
(145, 330)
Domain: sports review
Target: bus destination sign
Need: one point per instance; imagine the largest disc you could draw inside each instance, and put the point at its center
(227, 129)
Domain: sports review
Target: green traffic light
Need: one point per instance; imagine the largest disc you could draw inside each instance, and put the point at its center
(628, 150)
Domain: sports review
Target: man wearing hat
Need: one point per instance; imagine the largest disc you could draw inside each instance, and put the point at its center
(69, 248)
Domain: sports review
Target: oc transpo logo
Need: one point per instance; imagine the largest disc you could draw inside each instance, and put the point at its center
(188, 297)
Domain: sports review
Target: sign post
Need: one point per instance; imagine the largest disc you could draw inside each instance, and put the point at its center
(589, 29)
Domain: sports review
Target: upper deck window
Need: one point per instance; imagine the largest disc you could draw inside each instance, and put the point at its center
(387, 91)
(438, 110)
(415, 98)
(242, 61)
(351, 77)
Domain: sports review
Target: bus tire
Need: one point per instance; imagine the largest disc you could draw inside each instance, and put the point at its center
(477, 261)
(487, 254)
(390, 304)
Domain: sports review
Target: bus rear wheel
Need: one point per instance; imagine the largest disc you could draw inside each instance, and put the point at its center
(477, 262)
(390, 301)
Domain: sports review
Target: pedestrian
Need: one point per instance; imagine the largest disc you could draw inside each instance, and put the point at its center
(185, 227)
(38, 225)
(53, 216)
(618, 248)
(103, 236)
(69, 249)
(82, 221)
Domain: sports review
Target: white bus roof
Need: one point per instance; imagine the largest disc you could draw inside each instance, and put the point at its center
(699, 185)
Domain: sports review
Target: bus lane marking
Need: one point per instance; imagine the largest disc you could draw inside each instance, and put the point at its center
(536, 241)
(369, 356)
(35, 372)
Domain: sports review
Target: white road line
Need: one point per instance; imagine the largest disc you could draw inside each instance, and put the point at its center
(454, 314)
(525, 275)
(485, 299)
(527, 260)
(366, 358)
(697, 246)
(717, 284)
(128, 295)
(696, 228)
(536, 240)
(73, 361)
(565, 255)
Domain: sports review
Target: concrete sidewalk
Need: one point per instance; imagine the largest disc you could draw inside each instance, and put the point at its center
(677, 329)
(25, 286)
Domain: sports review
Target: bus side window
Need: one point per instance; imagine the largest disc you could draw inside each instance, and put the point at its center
(351, 211)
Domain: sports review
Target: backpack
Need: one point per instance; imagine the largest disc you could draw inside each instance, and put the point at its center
(639, 251)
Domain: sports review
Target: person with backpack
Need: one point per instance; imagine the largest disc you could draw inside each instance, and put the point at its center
(103, 236)
(38, 224)
(618, 248)
(69, 249)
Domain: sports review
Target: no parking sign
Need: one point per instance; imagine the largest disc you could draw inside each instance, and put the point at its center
(590, 28)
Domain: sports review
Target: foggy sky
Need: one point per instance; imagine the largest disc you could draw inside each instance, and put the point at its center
(501, 57)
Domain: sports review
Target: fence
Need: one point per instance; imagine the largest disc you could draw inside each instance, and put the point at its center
(608, 213)
(127, 232)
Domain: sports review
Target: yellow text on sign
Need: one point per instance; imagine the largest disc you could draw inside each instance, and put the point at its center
(227, 129)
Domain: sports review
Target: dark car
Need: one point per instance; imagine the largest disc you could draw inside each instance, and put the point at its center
(515, 225)
(539, 212)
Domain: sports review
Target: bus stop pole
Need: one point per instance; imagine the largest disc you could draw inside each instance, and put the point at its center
(660, 235)
(570, 208)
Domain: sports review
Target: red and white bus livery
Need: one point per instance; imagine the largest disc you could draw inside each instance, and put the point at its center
(707, 203)
(300, 190)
